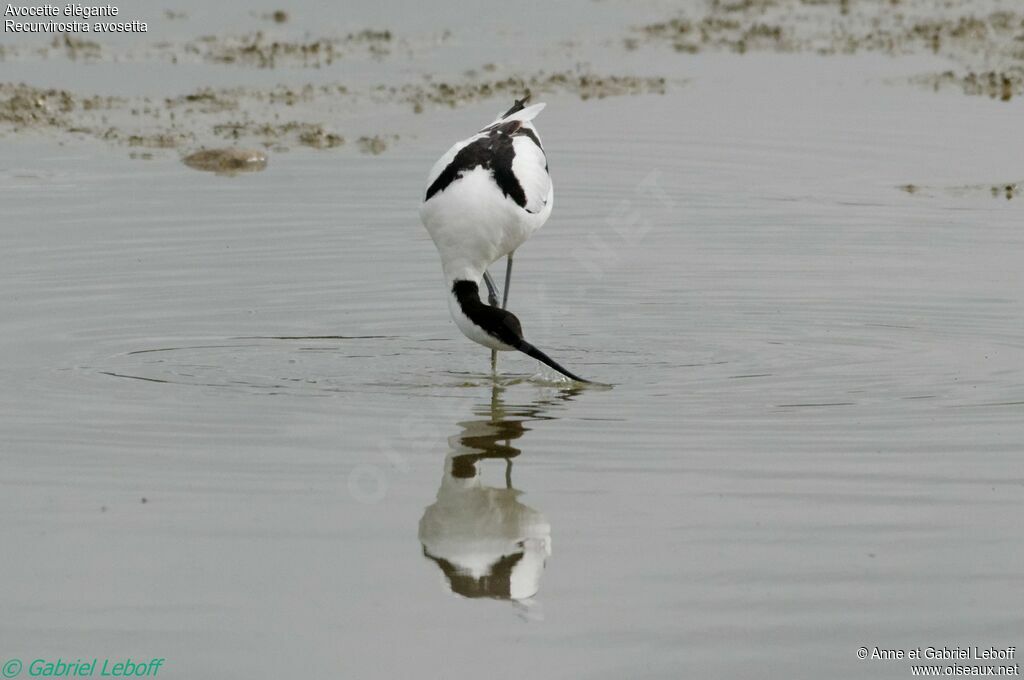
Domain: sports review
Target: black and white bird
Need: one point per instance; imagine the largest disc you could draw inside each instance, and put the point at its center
(484, 198)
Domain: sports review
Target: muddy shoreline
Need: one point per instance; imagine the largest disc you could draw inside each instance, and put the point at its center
(982, 42)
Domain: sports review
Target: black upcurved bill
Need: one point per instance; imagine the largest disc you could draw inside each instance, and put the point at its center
(529, 350)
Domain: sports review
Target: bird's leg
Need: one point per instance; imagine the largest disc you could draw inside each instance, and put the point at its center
(492, 298)
(492, 292)
(508, 279)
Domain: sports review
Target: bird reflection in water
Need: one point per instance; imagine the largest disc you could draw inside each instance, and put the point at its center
(487, 543)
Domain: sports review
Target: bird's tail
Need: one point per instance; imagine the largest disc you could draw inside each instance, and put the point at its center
(520, 111)
(519, 105)
(526, 114)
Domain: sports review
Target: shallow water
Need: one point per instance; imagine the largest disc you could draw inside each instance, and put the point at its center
(812, 442)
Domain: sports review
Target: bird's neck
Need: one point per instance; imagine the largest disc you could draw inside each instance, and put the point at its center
(460, 269)
(487, 325)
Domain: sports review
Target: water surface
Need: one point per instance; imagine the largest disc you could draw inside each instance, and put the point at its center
(229, 404)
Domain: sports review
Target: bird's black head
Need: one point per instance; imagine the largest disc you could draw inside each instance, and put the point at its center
(501, 324)
(496, 322)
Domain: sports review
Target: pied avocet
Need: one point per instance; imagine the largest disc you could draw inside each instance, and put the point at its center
(484, 198)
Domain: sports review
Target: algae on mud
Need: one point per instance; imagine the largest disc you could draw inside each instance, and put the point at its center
(254, 115)
(985, 40)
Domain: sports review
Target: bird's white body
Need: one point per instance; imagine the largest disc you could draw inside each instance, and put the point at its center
(485, 196)
(472, 221)
(474, 225)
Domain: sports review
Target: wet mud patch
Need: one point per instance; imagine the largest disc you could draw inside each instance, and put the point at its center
(75, 47)
(262, 52)
(473, 88)
(205, 100)
(375, 145)
(282, 116)
(203, 117)
(984, 41)
(1007, 190)
(277, 16)
(259, 49)
(274, 134)
(23, 106)
(1004, 84)
(227, 161)
(310, 114)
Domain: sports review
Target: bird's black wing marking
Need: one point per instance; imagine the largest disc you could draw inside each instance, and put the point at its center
(536, 140)
(494, 152)
(532, 135)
